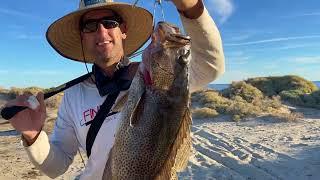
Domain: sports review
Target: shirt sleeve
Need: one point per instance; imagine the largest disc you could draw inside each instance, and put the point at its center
(54, 156)
(206, 50)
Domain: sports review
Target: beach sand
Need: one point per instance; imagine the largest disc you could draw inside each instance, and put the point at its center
(259, 148)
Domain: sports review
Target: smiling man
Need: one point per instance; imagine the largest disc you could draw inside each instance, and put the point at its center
(105, 33)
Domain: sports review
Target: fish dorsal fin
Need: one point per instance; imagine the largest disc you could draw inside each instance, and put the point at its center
(180, 152)
(120, 102)
(135, 111)
(136, 93)
(123, 96)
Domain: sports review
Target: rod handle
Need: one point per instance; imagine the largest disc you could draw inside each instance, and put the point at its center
(8, 112)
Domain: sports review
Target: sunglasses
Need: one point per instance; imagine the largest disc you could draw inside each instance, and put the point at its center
(91, 25)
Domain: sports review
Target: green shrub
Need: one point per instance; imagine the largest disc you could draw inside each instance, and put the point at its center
(293, 89)
(296, 97)
(264, 84)
(212, 99)
(292, 96)
(274, 85)
(238, 107)
(268, 104)
(204, 112)
(315, 96)
(244, 90)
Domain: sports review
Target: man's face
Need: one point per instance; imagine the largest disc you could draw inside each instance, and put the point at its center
(104, 43)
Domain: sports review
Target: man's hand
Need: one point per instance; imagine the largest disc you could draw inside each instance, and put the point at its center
(183, 5)
(189, 8)
(29, 121)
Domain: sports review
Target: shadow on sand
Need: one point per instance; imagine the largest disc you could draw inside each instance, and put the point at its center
(213, 164)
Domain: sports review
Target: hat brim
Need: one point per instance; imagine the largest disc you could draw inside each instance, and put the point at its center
(64, 34)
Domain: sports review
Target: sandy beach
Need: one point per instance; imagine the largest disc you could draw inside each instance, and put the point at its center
(259, 148)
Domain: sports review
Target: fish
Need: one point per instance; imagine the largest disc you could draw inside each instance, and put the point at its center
(153, 140)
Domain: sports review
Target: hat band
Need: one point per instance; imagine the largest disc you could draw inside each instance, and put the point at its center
(91, 2)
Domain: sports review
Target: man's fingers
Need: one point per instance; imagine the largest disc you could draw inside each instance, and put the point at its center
(20, 100)
(28, 100)
(40, 97)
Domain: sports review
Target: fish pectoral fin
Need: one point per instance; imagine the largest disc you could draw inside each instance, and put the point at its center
(107, 174)
(136, 110)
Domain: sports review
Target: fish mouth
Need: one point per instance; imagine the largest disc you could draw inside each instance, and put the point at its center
(171, 36)
(176, 41)
(179, 39)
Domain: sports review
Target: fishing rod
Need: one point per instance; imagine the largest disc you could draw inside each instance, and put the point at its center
(8, 112)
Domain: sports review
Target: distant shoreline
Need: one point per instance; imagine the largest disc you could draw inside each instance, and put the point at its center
(219, 87)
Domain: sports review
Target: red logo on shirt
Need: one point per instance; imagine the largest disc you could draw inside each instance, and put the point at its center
(88, 115)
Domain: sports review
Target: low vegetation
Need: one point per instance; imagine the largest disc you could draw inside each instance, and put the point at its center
(246, 91)
(204, 113)
(233, 101)
(292, 89)
(52, 102)
(262, 96)
(274, 85)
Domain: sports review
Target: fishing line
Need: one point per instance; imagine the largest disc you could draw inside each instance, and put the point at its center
(84, 58)
(156, 2)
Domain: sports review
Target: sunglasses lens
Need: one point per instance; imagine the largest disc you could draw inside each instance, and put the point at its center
(92, 25)
(109, 24)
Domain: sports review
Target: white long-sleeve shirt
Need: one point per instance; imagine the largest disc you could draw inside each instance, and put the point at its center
(81, 102)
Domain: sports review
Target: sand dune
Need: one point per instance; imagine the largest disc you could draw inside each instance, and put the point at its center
(260, 148)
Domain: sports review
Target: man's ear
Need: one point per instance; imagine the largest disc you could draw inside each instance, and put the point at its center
(124, 36)
(123, 28)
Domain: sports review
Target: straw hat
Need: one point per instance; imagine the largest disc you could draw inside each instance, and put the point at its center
(64, 34)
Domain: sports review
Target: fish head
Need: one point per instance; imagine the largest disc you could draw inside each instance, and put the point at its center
(160, 58)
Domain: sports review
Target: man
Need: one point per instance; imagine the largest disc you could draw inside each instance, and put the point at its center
(105, 33)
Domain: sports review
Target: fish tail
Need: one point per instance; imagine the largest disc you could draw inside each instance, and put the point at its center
(179, 155)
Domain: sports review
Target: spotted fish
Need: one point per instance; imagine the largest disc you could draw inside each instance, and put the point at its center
(153, 136)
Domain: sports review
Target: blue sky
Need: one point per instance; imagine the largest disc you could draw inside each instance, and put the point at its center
(260, 38)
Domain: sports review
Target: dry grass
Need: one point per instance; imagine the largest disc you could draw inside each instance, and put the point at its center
(261, 96)
(274, 85)
(293, 89)
(241, 103)
(211, 99)
(246, 91)
(204, 112)
(52, 102)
